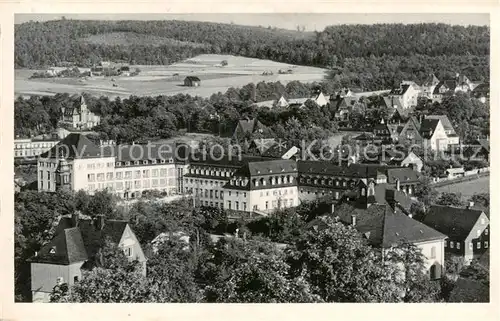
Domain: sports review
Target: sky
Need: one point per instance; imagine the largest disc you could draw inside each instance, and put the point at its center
(311, 21)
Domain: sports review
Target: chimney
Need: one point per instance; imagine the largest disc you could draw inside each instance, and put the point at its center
(99, 222)
(398, 184)
(353, 220)
(333, 208)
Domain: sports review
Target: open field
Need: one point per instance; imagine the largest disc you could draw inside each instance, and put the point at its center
(468, 188)
(168, 80)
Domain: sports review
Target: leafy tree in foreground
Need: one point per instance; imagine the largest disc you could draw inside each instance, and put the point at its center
(418, 287)
(450, 199)
(253, 272)
(340, 267)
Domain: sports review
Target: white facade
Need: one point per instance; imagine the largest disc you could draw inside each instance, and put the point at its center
(434, 257)
(439, 140)
(32, 148)
(261, 200)
(126, 179)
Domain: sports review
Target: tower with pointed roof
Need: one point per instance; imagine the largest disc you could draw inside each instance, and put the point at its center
(63, 176)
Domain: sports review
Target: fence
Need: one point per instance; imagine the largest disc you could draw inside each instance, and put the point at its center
(468, 176)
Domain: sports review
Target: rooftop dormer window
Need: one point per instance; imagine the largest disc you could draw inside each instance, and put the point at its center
(127, 163)
(53, 250)
(118, 164)
(136, 162)
(145, 162)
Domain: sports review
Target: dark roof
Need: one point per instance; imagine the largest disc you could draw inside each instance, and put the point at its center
(366, 137)
(431, 80)
(454, 222)
(485, 143)
(445, 121)
(404, 174)
(330, 168)
(427, 127)
(384, 226)
(77, 244)
(67, 247)
(393, 102)
(400, 91)
(75, 146)
(248, 126)
(193, 78)
(277, 150)
(482, 89)
(262, 169)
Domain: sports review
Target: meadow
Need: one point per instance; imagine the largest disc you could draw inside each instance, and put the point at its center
(168, 80)
(468, 188)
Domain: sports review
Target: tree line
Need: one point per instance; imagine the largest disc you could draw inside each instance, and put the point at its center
(372, 57)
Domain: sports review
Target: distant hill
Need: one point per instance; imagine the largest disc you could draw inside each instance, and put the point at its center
(369, 56)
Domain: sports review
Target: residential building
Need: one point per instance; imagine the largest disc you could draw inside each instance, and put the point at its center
(453, 138)
(192, 81)
(282, 102)
(343, 106)
(467, 230)
(248, 127)
(73, 250)
(407, 93)
(78, 115)
(380, 213)
(482, 92)
(429, 86)
(386, 227)
(452, 86)
(430, 132)
(262, 187)
(319, 98)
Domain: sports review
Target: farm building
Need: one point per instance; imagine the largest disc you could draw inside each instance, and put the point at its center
(191, 81)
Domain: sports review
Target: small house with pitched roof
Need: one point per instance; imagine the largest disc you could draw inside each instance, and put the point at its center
(381, 215)
(74, 249)
(467, 229)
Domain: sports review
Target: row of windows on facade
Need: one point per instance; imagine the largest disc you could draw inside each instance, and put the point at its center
(34, 145)
(330, 182)
(274, 204)
(215, 193)
(456, 245)
(146, 162)
(128, 174)
(132, 184)
(323, 193)
(262, 181)
(203, 182)
(211, 172)
(31, 152)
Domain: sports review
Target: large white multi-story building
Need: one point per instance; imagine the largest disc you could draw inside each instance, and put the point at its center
(125, 170)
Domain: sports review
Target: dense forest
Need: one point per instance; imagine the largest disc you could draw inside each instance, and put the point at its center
(371, 57)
